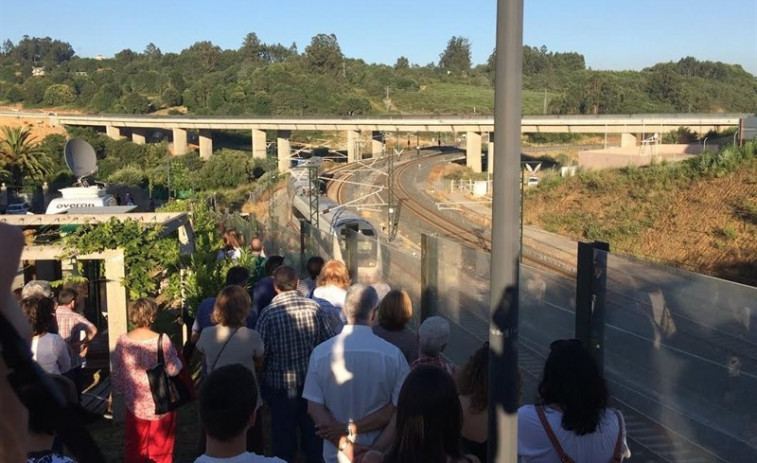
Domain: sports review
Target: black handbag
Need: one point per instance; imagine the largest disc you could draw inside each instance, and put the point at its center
(168, 392)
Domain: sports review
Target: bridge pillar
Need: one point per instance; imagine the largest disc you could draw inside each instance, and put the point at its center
(284, 149)
(258, 144)
(490, 158)
(139, 136)
(627, 140)
(179, 142)
(113, 132)
(473, 151)
(206, 143)
(377, 143)
(353, 146)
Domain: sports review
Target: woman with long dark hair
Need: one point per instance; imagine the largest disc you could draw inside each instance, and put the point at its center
(473, 387)
(428, 421)
(571, 422)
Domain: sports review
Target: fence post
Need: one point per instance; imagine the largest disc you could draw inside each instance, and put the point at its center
(591, 291)
(304, 232)
(429, 276)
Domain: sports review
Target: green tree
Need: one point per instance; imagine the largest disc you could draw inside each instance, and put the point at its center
(323, 55)
(251, 49)
(21, 155)
(152, 52)
(106, 97)
(171, 97)
(59, 94)
(33, 90)
(136, 103)
(402, 63)
(457, 56)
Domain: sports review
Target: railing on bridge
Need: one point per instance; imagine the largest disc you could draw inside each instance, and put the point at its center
(680, 348)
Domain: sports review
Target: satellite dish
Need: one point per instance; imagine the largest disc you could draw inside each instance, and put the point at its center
(80, 158)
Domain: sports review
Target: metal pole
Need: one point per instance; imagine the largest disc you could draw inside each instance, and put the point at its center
(503, 330)
(429, 276)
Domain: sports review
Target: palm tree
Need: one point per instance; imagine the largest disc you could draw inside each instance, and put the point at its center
(21, 157)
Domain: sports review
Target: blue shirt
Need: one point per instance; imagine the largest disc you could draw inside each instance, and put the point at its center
(262, 294)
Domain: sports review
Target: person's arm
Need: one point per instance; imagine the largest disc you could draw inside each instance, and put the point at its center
(90, 331)
(385, 439)
(333, 430)
(376, 420)
(173, 364)
(325, 424)
(258, 350)
(195, 332)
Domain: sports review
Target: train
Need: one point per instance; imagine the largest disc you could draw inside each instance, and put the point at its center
(334, 223)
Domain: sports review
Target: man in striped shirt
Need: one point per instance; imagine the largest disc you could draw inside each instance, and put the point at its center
(291, 326)
(77, 331)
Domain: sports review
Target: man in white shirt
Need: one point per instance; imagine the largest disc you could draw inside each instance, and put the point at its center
(354, 379)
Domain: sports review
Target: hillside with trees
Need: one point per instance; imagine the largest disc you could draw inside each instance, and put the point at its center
(274, 79)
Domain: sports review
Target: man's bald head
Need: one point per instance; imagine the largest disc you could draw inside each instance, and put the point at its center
(256, 245)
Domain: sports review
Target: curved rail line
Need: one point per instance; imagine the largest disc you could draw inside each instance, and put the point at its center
(648, 439)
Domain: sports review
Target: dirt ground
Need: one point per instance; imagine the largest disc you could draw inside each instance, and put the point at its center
(40, 126)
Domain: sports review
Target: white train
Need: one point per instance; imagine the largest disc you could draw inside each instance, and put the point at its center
(334, 222)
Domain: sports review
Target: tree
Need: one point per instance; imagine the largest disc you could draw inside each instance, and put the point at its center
(135, 103)
(457, 56)
(205, 54)
(106, 97)
(21, 155)
(152, 52)
(402, 63)
(33, 90)
(171, 97)
(323, 55)
(59, 94)
(277, 53)
(251, 49)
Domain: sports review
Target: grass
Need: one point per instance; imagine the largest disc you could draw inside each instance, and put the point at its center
(699, 214)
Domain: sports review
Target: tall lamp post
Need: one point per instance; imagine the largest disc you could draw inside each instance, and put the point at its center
(503, 321)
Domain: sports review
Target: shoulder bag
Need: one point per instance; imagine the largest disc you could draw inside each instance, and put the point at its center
(168, 392)
(221, 351)
(564, 458)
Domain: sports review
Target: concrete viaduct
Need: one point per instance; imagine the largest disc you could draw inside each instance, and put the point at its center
(473, 127)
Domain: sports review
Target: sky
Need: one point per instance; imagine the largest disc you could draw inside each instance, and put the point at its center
(611, 34)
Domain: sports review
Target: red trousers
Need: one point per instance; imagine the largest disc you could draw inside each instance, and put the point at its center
(149, 441)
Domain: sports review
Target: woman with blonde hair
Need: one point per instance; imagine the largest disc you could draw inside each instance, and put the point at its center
(394, 311)
(231, 342)
(330, 291)
(148, 437)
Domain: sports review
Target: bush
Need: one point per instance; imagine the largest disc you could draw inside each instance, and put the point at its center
(225, 169)
(59, 94)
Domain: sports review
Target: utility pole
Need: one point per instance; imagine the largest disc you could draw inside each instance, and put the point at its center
(391, 203)
(314, 193)
(504, 291)
(545, 102)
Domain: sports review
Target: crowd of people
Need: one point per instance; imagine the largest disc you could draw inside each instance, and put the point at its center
(334, 366)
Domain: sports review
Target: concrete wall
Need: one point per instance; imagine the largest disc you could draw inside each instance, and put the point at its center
(637, 155)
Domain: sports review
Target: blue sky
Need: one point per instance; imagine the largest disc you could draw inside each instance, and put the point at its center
(611, 34)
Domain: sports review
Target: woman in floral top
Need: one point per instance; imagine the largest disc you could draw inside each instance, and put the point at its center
(149, 437)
